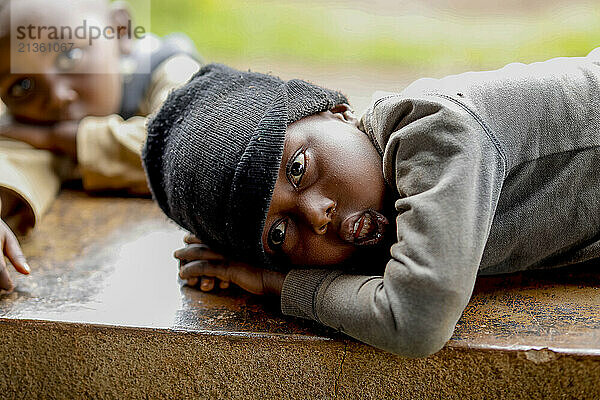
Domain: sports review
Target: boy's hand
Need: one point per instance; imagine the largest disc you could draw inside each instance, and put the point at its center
(9, 247)
(198, 262)
(60, 138)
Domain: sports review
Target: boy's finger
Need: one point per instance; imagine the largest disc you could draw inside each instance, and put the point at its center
(224, 284)
(192, 269)
(196, 269)
(15, 255)
(191, 239)
(5, 281)
(194, 248)
(207, 284)
(192, 281)
(197, 252)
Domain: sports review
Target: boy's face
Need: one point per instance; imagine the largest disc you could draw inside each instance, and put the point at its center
(68, 85)
(329, 193)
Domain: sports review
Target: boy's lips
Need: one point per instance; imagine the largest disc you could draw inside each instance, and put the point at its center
(364, 228)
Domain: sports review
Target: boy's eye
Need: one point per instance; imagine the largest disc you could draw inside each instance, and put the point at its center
(68, 60)
(296, 168)
(277, 234)
(21, 88)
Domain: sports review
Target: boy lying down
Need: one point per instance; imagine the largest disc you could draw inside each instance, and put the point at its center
(379, 227)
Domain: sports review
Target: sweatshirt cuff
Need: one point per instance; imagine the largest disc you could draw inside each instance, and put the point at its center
(299, 292)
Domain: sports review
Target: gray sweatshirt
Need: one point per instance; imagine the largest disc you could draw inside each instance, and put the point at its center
(495, 172)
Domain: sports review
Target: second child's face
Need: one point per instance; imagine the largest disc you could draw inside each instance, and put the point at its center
(81, 81)
(329, 193)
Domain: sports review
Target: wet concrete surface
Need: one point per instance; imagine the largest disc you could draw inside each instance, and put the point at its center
(555, 309)
(110, 261)
(104, 287)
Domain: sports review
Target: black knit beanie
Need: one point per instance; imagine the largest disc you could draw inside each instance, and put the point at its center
(214, 149)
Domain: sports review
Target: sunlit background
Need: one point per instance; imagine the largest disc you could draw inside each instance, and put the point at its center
(363, 46)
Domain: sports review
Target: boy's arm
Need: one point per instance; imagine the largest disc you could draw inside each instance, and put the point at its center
(108, 148)
(448, 174)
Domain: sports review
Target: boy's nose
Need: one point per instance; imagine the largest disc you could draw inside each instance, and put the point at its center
(61, 94)
(318, 211)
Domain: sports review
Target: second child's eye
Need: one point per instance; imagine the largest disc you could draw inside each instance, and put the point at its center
(277, 234)
(296, 168)
(69, 59)
(21, 88)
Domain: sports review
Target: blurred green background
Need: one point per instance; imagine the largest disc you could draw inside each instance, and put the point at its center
(363, 46)
(480, 33)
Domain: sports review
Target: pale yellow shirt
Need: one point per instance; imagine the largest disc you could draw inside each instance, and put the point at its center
(108, 152)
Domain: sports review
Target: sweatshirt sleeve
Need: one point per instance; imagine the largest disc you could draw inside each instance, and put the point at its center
(448, 171)
(109, 148)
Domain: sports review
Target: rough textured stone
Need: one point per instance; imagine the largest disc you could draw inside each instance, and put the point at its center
(103, 316)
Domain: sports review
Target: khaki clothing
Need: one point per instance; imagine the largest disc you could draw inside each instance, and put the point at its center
(493, 172)
(108, 151)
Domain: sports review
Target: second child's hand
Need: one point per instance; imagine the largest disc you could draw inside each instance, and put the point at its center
(59, 138)
(199, 263)
(9, 247)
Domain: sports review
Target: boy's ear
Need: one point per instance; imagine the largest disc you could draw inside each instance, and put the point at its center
(344, 112)
(120, 15)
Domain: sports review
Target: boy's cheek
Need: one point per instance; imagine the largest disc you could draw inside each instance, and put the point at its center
(101, 94)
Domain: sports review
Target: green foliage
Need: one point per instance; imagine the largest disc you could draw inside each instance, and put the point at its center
(321, 32)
